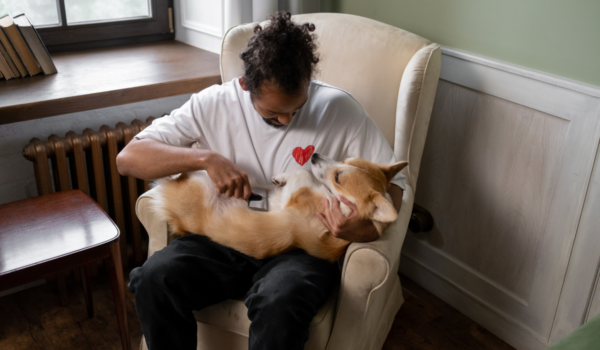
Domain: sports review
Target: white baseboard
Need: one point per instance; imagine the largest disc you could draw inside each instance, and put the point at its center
(512, 333)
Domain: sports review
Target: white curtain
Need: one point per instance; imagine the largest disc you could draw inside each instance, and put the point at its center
(244, 11)
(202, 23)
(299, 6)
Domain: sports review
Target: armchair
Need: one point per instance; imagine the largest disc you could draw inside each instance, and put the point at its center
(394, 75)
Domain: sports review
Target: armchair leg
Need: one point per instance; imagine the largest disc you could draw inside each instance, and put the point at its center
(61, 282)
(420, 220)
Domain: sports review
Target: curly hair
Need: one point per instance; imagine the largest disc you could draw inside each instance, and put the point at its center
(283, 54)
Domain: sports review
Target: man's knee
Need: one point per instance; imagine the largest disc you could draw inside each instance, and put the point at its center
(152, 275)
(282, 300)
(287, 296)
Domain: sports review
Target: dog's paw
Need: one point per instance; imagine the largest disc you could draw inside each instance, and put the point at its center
(278, 181)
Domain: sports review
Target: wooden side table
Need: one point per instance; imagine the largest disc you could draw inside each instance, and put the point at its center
(45, 235)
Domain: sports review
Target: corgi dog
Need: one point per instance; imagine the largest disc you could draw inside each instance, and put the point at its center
(191, 204)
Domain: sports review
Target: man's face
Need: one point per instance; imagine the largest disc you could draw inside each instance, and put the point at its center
(276, 108)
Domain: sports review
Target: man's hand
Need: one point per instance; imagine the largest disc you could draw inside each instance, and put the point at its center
(228, 178)
(351, 228)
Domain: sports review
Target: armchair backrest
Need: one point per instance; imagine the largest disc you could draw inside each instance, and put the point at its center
(377, 63)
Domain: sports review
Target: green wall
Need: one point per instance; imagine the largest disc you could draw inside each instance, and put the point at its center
(560, 37)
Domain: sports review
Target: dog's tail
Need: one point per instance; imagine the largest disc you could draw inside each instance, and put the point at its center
(172, 198)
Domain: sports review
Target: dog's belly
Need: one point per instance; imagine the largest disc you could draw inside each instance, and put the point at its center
(192, 204)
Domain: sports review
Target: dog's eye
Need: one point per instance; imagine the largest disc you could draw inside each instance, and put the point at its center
(337, 178)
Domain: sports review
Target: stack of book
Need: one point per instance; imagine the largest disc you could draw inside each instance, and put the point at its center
(22, 51)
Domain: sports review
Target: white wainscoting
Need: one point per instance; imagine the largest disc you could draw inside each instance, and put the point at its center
(507, 174)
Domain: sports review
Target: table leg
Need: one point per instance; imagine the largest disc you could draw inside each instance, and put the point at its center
(87, 288)
(61, 281)
(94, 269)
(77, 275)
(115, 269)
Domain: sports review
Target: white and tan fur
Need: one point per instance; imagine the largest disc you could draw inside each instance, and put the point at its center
(191, 204)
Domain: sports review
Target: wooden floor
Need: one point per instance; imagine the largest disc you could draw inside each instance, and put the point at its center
(33, 319)
(426, 322)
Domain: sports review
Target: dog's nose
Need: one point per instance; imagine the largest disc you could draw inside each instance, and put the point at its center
(315, 158)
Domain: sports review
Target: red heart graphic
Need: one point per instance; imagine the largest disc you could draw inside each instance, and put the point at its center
(303, 155)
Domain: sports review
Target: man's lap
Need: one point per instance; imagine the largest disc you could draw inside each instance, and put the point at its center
(219, 273)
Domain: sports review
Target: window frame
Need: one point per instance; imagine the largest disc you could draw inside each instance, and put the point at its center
(110, 33)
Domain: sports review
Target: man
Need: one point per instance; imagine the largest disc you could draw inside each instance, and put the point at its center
(259, 125)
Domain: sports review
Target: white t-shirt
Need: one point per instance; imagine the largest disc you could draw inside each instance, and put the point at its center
(223, 119)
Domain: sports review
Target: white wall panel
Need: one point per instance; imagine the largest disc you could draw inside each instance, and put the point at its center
(205, 16)
(202, 23)
(505, 173)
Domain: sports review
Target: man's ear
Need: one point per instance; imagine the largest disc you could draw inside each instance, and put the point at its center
(391, 170)
(384, 210)
(242, 82)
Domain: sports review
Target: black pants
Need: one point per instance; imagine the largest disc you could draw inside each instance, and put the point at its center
(282, 293)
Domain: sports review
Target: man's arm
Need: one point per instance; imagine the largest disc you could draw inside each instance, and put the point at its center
(353, 228)
(152, 159)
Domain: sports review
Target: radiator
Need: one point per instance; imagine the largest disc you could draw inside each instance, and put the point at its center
(88, 162)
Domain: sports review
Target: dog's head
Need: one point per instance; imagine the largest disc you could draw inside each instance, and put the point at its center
(361, 182)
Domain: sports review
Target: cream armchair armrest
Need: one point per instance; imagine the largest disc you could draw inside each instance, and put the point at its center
(415, 103)
(157, 229)
(370, 286)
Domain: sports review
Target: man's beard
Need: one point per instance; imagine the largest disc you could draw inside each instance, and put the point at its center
(269, 122)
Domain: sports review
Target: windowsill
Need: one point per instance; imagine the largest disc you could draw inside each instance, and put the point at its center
(107, 77)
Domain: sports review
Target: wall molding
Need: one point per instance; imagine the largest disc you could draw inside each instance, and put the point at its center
(547, 78)
(516, 84)
(431, 256)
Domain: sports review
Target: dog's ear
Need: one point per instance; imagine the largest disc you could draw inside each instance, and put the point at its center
(384, 210)
(391, 170)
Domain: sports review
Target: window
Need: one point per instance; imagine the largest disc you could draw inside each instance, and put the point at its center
(79, 24)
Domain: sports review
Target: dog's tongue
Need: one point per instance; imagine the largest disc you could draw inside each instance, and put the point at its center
(255, 197)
